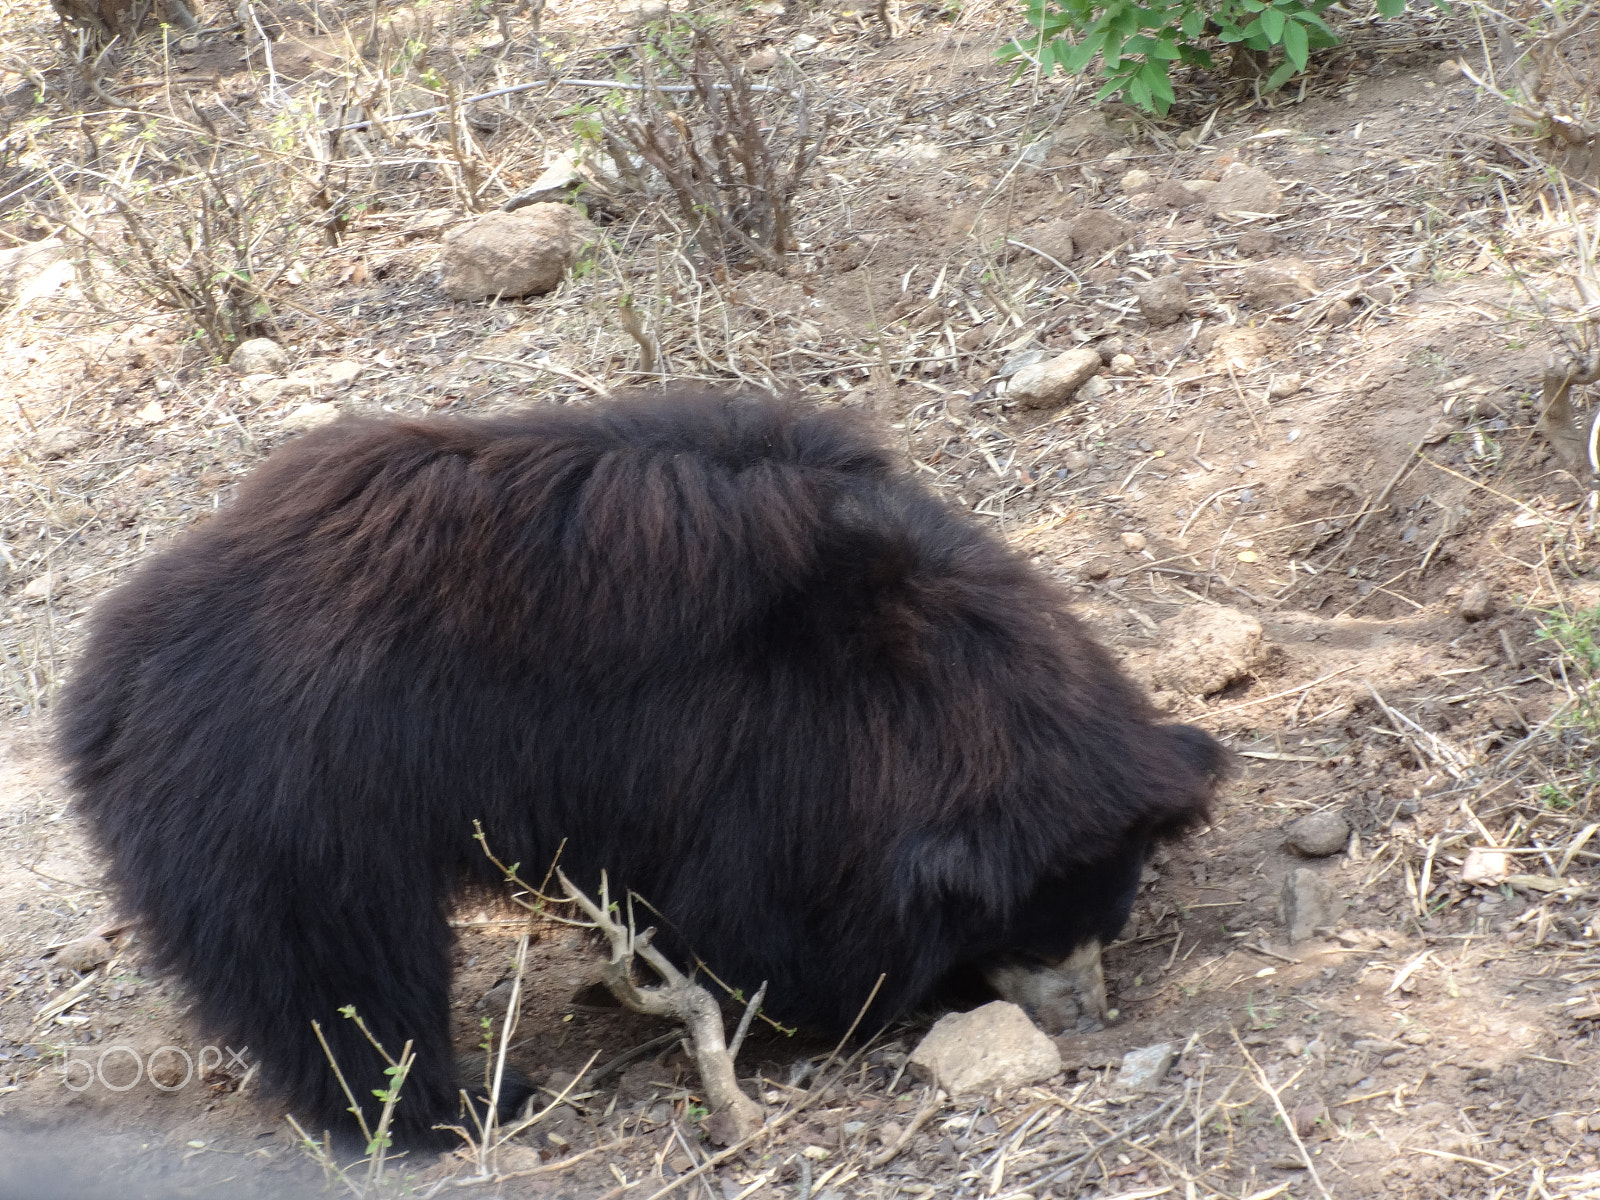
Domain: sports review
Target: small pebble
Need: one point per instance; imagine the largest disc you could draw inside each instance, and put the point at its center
(1477, 604)
(1124, 364)
(1283, 386)
(1135, 541)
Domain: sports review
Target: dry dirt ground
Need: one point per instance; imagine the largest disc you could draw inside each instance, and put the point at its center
(1351, 471)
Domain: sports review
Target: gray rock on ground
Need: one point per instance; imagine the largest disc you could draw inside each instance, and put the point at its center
(1318, 834)
(512, 254)
(259, 356)
(1051, 384)
(1162, 301)
(1477, 604)
(995, 1046)
(1146, 1067)
(1207, 647)
(1306, 904)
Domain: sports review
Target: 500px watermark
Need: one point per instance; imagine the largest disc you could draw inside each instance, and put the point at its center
(168, 1068)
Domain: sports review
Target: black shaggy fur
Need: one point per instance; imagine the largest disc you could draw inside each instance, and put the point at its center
(721, 646)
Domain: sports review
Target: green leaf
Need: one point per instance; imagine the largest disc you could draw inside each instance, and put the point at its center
(1167, 49)
(1296, 45)
(1192, 24)
(1083, 52)
(1110, 89)
(1154, 75)
(1139, 93)
(1272, 25)
(1279, 77)
(1391, 8)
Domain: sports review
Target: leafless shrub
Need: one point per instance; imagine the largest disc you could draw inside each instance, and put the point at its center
(213, 234)
(716, 142)
(1539, 62)
(1572, 321)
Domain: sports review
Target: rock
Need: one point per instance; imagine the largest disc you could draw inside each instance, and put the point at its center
(762, 60)
(1246, 190)
(1278, 281)
(1137, 181)
(498, 1001)
(1477, 604)
(1306, 904)
(1447, 72)
(336, 373)
(1095, 232)
(1023, 358)
(1284, 386)
(1124, 364)
(1485, 868)
(1094, 387)
(1147, 1067)
(1134, 541)
(1051, 384)
(265, 389)
(513, 254)
(1200, 189)
(259, 356)
(1318, 834)
(995, 1046)
(84, 954)
(1163, 300)
(309, 416)
(33, 269)
(1340, 312)
(1053, 238)
(1097, 568)
(56, 443)
(40, 587)
(1207, 648)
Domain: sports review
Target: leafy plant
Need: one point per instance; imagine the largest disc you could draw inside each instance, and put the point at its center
(1137, 41)
(1575, 638)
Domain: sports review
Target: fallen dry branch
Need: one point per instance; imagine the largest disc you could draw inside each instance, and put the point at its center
(734, 1116)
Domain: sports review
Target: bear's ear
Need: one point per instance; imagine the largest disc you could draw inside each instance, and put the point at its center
(940, 866)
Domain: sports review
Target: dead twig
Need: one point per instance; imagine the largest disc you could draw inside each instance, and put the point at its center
(1274, 1094)
(678, 997)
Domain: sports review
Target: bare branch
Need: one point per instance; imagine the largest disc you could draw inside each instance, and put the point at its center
(677, 997)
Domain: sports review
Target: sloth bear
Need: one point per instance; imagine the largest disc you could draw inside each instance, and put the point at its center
(717, 645)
